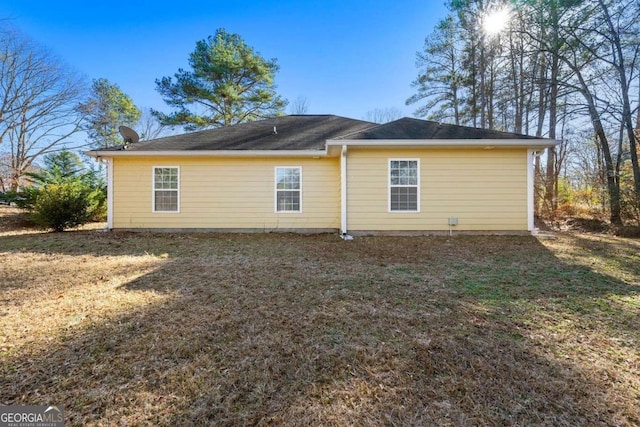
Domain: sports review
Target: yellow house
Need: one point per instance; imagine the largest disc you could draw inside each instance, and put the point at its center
(323, 173)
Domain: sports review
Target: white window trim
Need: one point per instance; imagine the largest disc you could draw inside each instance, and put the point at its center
(389, 185)
(275, 189)
(153, 189)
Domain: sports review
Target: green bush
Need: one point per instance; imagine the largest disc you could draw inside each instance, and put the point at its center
(66, 205)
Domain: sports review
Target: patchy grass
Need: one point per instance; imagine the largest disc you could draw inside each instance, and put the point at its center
(166, 329)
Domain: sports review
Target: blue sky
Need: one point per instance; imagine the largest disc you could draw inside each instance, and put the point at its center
(346, 57)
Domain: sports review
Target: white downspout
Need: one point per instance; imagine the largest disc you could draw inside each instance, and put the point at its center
(531, 155)
(343, 194)
(109, 193)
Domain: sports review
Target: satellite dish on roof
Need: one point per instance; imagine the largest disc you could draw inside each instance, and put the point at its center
(130, 136)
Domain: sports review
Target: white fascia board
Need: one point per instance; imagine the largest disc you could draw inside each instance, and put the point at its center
(208, 153)
(445, 143)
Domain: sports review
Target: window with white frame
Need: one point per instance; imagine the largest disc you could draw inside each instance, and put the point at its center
(289, 189)
(166, 184)
(404, 178)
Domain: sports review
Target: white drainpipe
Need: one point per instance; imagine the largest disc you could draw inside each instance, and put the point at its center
(531, 155)
(343, 195)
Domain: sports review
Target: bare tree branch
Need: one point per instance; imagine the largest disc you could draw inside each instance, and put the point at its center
(38, 102)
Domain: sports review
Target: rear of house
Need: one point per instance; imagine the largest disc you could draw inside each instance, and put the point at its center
(226, 193)
(422, 189)
(325, 174)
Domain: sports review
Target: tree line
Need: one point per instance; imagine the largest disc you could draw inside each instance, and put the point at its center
(564, 69)
(46, 106)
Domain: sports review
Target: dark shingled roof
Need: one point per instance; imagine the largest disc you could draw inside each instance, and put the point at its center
(407, 128)
(304, 132)
(310, 132)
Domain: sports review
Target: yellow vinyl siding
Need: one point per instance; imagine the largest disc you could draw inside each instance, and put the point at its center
(228, 193)
(485, 189)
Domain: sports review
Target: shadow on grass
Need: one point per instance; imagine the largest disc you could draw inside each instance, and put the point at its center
(617, 253)
(12, 218)
(85, 242)
(309, 330)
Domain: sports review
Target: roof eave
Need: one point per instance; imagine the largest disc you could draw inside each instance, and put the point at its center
(206, 153)
(446, 143)
(363, 143)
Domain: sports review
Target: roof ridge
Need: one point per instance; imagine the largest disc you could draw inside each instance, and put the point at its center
(218, 128)
(485, 129)
(294, 132)
(412, 128)
(252, 122)
(374, 126)
(310, 115)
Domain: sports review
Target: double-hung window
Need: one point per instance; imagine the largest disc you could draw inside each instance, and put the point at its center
(166, 187)
(404, 188)
(289, 189)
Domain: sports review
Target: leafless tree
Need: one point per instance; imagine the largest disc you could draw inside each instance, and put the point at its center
(555, 66)
(38, 100)
(300, 105)
(5, 172)
(622, 54)
(383, 115)
(149, 127)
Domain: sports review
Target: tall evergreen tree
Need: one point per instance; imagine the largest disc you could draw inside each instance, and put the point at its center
(228, 83)
(107, 108)
(439, 83)
(555, 66)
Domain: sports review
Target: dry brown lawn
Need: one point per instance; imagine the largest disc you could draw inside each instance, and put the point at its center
(217, 329)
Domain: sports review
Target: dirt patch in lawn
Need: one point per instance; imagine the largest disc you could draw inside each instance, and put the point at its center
(172, 329)
(588, 225)
(13, 220)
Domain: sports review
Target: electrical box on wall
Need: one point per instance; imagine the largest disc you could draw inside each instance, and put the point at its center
(453, 220)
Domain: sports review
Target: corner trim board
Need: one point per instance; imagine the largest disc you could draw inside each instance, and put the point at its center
(530, 183)
(110, 193)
